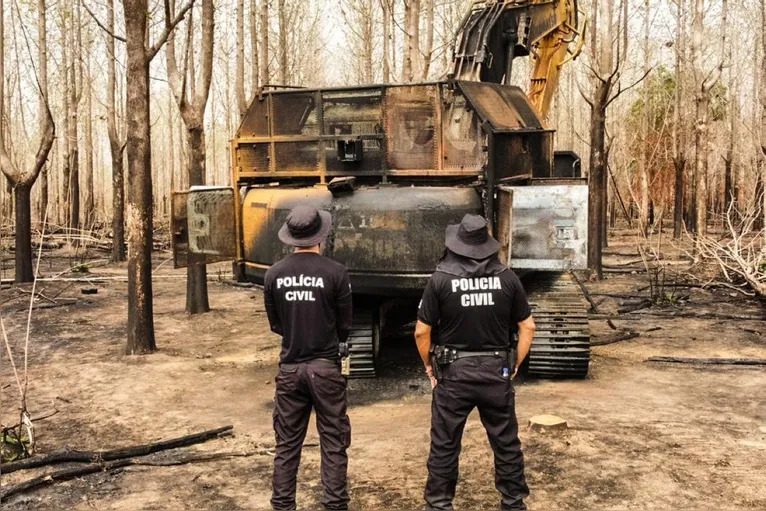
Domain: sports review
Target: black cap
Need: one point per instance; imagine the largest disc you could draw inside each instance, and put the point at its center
(305, 226)
(471, 238)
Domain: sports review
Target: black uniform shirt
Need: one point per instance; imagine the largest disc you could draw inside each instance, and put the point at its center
(308, 302)
(474, 313)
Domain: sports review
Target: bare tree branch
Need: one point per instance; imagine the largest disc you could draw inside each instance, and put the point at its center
(620, 90)
(101, 25)
(169, 27)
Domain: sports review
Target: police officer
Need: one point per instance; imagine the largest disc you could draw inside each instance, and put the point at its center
(308, 302)
(476, 303)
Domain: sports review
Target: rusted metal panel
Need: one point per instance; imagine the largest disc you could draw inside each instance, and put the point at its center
(397, 230)
(419, 128)
(387, 230)
(204, 226)
(463, 139)
(550, 227)
(264, 210)
(504, 218)
(256, 120)
(410, 125)
(296, 114)
(252, 157)
(503, 106)
(517, 154)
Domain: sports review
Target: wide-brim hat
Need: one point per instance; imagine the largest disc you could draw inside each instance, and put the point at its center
(306, 226)
(470, 238)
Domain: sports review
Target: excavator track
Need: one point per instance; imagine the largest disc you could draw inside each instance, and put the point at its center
(562, 341)
(364, 341)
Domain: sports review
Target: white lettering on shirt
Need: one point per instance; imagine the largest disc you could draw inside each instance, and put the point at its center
(476, 299)
(476, 284)
(301, 281)
(300, 296)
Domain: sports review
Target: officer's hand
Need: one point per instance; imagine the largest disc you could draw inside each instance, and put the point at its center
(515, 370)
(430, 373)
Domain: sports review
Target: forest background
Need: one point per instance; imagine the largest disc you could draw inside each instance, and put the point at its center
(666, 105)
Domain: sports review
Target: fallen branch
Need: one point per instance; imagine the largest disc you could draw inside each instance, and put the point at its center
(622, 295)
(716, 361)
(69, 473)
(585, 292)
(593, 304)
(624, 335)
(698, 315)
(113, 454)
(633, 308)
(69, 301)
(623, 270)
(34, 419)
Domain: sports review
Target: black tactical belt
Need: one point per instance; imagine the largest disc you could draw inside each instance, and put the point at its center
(446, 355)
(467, 354)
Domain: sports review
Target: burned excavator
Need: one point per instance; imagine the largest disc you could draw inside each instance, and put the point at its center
(397, 163)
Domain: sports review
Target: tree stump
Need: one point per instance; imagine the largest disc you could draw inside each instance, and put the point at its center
(545, 423)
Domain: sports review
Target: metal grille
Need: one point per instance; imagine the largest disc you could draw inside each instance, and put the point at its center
(352, 113)
(410, 121)
(372, 157)
(297, 156)
(253, 157)
(294, 114)
(462, 134)
(256, 121)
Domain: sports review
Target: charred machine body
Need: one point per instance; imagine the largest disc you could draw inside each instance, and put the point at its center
(395, 164)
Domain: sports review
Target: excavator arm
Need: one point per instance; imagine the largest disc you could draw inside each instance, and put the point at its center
(494, 32)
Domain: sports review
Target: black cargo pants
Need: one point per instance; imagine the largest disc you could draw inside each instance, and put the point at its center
(299, 387)
(465, 384)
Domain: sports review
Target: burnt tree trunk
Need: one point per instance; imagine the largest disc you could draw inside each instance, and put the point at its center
(43, 193)
(43, 78)
(679, 131)
(75, 78)
(23, 202)
(596, 181)
(678, 211)
(284, 75)
(429, 49)
(118, 205)
(700, 167)
(386, 18)
(761, 166)
(90, 213)
(193, 115)
(240, 61)
(412, 59)
(264, 56)
(254, 47)
(728, 187)
(116, 147)
(139, 218)
(759, 209)
(196, 274)
(20, 181)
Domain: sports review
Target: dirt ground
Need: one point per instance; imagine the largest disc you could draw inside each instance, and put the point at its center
(642, 435)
